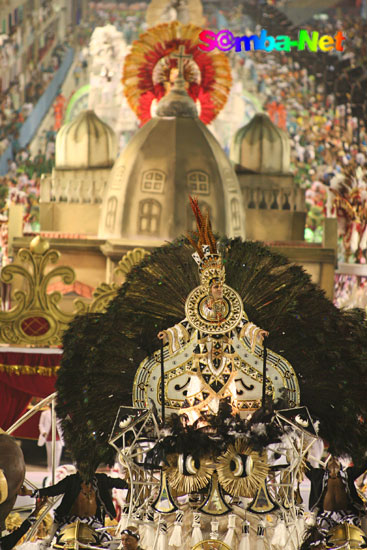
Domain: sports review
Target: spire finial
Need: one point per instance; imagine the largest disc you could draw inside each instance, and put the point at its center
(181, 56)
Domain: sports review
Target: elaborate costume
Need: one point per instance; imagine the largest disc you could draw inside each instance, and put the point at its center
(215, 327)
(208, 357)
(94, 497)
(215, 352)
(333, 494)
(217, 330)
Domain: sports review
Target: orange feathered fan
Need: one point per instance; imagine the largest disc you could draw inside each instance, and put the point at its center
(147, 70)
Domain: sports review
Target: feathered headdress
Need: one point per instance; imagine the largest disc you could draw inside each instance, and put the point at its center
(206, 254)
(148, 66)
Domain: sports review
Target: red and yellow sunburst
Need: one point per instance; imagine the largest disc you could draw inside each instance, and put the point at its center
(147, 73)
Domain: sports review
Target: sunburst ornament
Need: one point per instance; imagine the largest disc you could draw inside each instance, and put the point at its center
(186, 474)
(150, 66)
(241, 470)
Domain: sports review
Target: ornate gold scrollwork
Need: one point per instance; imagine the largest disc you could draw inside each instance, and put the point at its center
(36, 318)
(131, 258)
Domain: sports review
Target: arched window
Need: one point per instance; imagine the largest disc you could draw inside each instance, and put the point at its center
(149, 217)
(198, 182)
(235, 214)
(111, 213)
(191, 222)
(153, 181)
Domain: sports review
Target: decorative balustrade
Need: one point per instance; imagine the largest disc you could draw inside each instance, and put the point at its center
(282, 198)
(74, 186)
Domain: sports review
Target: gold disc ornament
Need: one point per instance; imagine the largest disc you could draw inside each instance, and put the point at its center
(241, 470)
(211, 544)
(201, 316)
(186, 474)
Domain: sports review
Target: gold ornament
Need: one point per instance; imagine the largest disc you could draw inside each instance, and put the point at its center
(241, 470)
(129, 260)
(211, 267)
(211, 544)
(75, 533)
(346, 536)
(39, 245)
(186, 475)
(164, 503)
(262, 502)
(13, 521)
(3, 487)
(214, 504)
(36, 318)
(197, 311)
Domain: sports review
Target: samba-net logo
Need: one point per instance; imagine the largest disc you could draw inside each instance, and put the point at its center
(224, 40)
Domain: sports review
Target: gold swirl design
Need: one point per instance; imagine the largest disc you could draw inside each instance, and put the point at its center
(36, 306)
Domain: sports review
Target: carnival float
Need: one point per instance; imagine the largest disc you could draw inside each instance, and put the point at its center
(212, 421)
(211, 425)
(213, 373)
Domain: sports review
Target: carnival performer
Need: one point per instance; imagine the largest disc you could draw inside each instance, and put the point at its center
(215, 321)
(129, 539)
(333, 495)
(86, 500)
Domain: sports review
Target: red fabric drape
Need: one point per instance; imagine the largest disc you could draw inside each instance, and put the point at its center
(13, 403)
(16, 391)
(38, 359)
(22, 376)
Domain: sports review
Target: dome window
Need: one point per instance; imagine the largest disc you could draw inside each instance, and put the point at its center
(153, 181)
(111, 213)
(149, 217)
(198, 183)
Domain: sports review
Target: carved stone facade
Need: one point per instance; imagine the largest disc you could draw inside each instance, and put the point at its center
(145, 198)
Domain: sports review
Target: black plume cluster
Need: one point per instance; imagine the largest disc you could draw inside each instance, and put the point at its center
(213, 438)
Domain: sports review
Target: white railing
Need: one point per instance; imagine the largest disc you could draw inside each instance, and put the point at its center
(73, 189)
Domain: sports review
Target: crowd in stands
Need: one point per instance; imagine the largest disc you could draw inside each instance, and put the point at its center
(21, 184)
(327, 137)
(128, 19)
(13, 112)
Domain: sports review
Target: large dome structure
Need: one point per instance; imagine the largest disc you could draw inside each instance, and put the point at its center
(261, 146)
(71, 196)
(170, 157)
(85, 142)
(273, 204)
